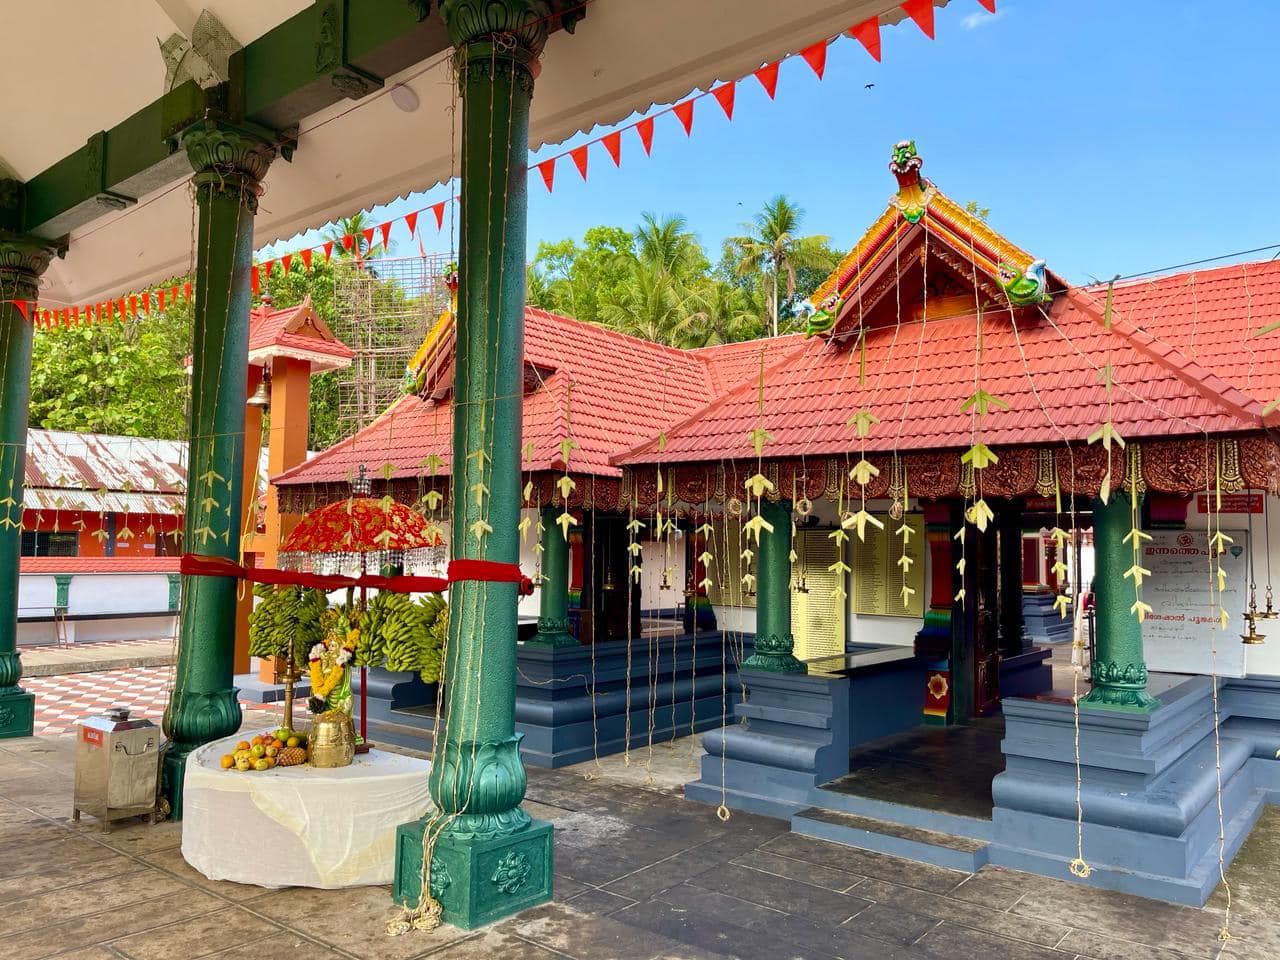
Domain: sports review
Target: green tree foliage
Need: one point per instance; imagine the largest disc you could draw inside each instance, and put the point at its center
(656, 281)
(772, 249)
(121, 378)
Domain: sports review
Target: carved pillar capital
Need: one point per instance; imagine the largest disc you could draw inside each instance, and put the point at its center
(23, 259)
(506, 31)
(229, 159)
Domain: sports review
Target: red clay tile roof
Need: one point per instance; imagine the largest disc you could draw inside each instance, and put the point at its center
(1211, 316)
(281, 328)
(1045, 364)
(106, 565)
(624, 391)
(732, 363)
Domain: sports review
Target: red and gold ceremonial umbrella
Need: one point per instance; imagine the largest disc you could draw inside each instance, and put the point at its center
(362, 532)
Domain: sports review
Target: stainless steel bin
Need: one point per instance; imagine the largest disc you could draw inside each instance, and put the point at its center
(117, 768)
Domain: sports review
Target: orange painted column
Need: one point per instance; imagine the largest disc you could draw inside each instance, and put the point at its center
(286, 447)
(249, 504)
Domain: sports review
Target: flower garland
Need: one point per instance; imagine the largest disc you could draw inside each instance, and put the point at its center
(322, 682)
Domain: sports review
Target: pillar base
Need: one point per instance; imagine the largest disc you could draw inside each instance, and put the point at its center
(17, 713)
(774, 655)
(551, 640)
(1126, 699)
(477, 881)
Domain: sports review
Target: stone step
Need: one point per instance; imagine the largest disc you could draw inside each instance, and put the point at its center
(415, 739)
(906, 816)
(912, 843)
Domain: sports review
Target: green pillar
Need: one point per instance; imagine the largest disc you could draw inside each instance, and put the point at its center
(22, 260)
(489, 858)
(1119, 671)
(774, 641)
(229, 164)
(553, 616)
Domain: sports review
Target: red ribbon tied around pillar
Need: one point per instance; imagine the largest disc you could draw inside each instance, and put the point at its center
(487, 571)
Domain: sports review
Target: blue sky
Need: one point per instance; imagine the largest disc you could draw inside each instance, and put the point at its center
(1107, 137)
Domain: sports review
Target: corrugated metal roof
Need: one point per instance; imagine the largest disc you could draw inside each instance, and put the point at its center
(62, 460)
(104, 473)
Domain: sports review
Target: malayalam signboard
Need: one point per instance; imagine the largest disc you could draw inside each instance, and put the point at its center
(1179, 636)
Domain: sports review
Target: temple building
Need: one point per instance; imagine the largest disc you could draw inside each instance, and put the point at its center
(611, 600)
(954, 396)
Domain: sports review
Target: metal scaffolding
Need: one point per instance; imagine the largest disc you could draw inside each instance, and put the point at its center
(383, 307)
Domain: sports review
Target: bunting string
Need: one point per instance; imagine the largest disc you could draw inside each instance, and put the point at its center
(131, 306)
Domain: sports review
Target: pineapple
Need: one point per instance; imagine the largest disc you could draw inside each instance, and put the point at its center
(291, 756)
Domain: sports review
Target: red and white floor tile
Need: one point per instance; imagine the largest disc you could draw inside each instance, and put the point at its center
(64, 699)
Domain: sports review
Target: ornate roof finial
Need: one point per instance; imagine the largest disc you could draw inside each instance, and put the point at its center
(914, 192)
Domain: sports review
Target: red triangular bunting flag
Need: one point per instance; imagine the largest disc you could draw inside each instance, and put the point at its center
(548, 170)
(438, 210)
(44, 318)
(684, 111)
(120, 305)
(347, 241)
(306, 259)
(173, 294)
(286, 262)
(267, 266)
(24, 308)
(66, 317)
(255, 283)
(989, 4)
(579, 155)
(368, 237)
(386, 234)
(411, 220)
(645, 129)
(768, 77)
(613, 143)
(328, 249)
(867, 33)
(159, 293)
(133, 306)
(75, 314)
(146, 304)
(724, 95)
(921, 11)
(186, 291)
(816, 57)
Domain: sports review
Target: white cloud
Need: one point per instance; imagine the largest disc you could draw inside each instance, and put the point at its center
(981, 18)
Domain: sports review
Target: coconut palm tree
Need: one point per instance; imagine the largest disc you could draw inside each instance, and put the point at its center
(667, 244)
(723, 313)
(771, 247)
(353, 226)
(650, 304)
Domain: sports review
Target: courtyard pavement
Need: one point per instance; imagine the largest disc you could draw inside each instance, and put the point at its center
(641, 874)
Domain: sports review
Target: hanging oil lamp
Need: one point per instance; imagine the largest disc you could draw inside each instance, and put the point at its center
(666, 579)
(608, 563)
(1270, 613)
(1251, 637)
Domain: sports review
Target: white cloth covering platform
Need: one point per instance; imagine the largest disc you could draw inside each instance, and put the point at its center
(299, 826)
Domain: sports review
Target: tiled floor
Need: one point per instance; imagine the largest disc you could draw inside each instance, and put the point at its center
(641, 874)
(64, 699)
(44, 660)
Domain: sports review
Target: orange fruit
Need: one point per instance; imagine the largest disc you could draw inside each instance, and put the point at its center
(243, 745)
(256, 740)
(228, 761)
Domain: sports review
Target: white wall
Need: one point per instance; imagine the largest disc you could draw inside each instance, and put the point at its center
(654, 558)
(1263, 660)
(118, 596)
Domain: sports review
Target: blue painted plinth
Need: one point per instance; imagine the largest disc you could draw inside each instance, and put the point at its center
(677, 685)
(1149, 793)
(793, 736)
(1027, 673)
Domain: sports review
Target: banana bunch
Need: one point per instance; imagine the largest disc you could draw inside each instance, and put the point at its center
(286, 618)
(433, 648)
(405, 627)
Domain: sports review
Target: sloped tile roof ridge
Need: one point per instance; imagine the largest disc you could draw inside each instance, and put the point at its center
(1206, 273)
(1200, 379)
(342, 445)
(608, 332)
(636, 454)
